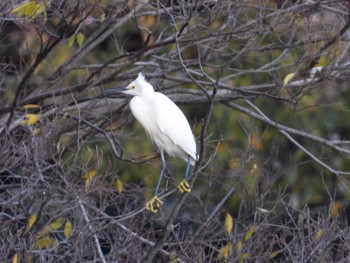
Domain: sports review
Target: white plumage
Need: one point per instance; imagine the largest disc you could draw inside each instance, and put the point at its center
(165, 125)
(163, 121)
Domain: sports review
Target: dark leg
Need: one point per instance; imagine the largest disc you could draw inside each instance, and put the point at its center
(184, 186)
(188, 167)
(161, 172)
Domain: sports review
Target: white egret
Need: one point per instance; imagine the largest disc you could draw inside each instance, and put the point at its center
(165, 125)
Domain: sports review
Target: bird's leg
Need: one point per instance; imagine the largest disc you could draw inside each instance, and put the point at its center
(163, 167)
(184, 186)
(154, 204)
(188, 167)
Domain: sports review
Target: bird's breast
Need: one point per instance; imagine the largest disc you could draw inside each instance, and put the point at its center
(165, 125)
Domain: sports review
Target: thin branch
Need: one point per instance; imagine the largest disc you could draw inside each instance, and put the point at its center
(328, 44)
(86, 218)
(285, 128)
(285, 133)
(44, 51)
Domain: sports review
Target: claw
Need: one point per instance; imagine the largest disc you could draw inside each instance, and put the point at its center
(184, 186)
(154, 204)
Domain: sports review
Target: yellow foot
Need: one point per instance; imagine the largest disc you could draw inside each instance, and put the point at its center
(154, 204)
(184, 186)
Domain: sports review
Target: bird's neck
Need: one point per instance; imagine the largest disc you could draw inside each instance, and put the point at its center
(148, 94)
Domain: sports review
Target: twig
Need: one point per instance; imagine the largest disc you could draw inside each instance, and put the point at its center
(195, 173)
(146, 241)
(329, 43)
(285, 133)
(86, 218)
(285, 128)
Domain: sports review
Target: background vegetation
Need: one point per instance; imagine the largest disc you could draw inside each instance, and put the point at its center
(264, 85)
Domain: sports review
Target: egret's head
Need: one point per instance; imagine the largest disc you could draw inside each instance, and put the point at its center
(139, 87)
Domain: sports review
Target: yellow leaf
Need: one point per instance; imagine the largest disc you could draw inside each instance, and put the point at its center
(225, 251)
(21, 9)
(102, 17)
(31, 106)
(335, 209)
(31, 221)
(172, 256)
(234, 163)
(45, 242)
(255, 142)
(71, 40)
(40, 8)
(221, 147)
(250, 232)
(119, 185)
(67, 229)
(80, 38)
(244, 256)
(52, 227)
(56, 224)
(274, 254)
(319, 234)
(228, 223)
(321, 62)
(88, 176)
(36, 131)
(30, 9)
(30, 119)
(239, 246)
(288, 78)
(15, 258)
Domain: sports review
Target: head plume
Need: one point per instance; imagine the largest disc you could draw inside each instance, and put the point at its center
(140, 78)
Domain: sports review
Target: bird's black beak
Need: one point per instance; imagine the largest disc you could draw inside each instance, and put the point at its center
(113, 91)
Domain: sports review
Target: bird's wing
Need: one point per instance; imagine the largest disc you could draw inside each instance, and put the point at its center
(173, 123)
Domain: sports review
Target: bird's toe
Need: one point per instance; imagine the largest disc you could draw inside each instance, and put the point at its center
(154, 204)
(184, 186)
